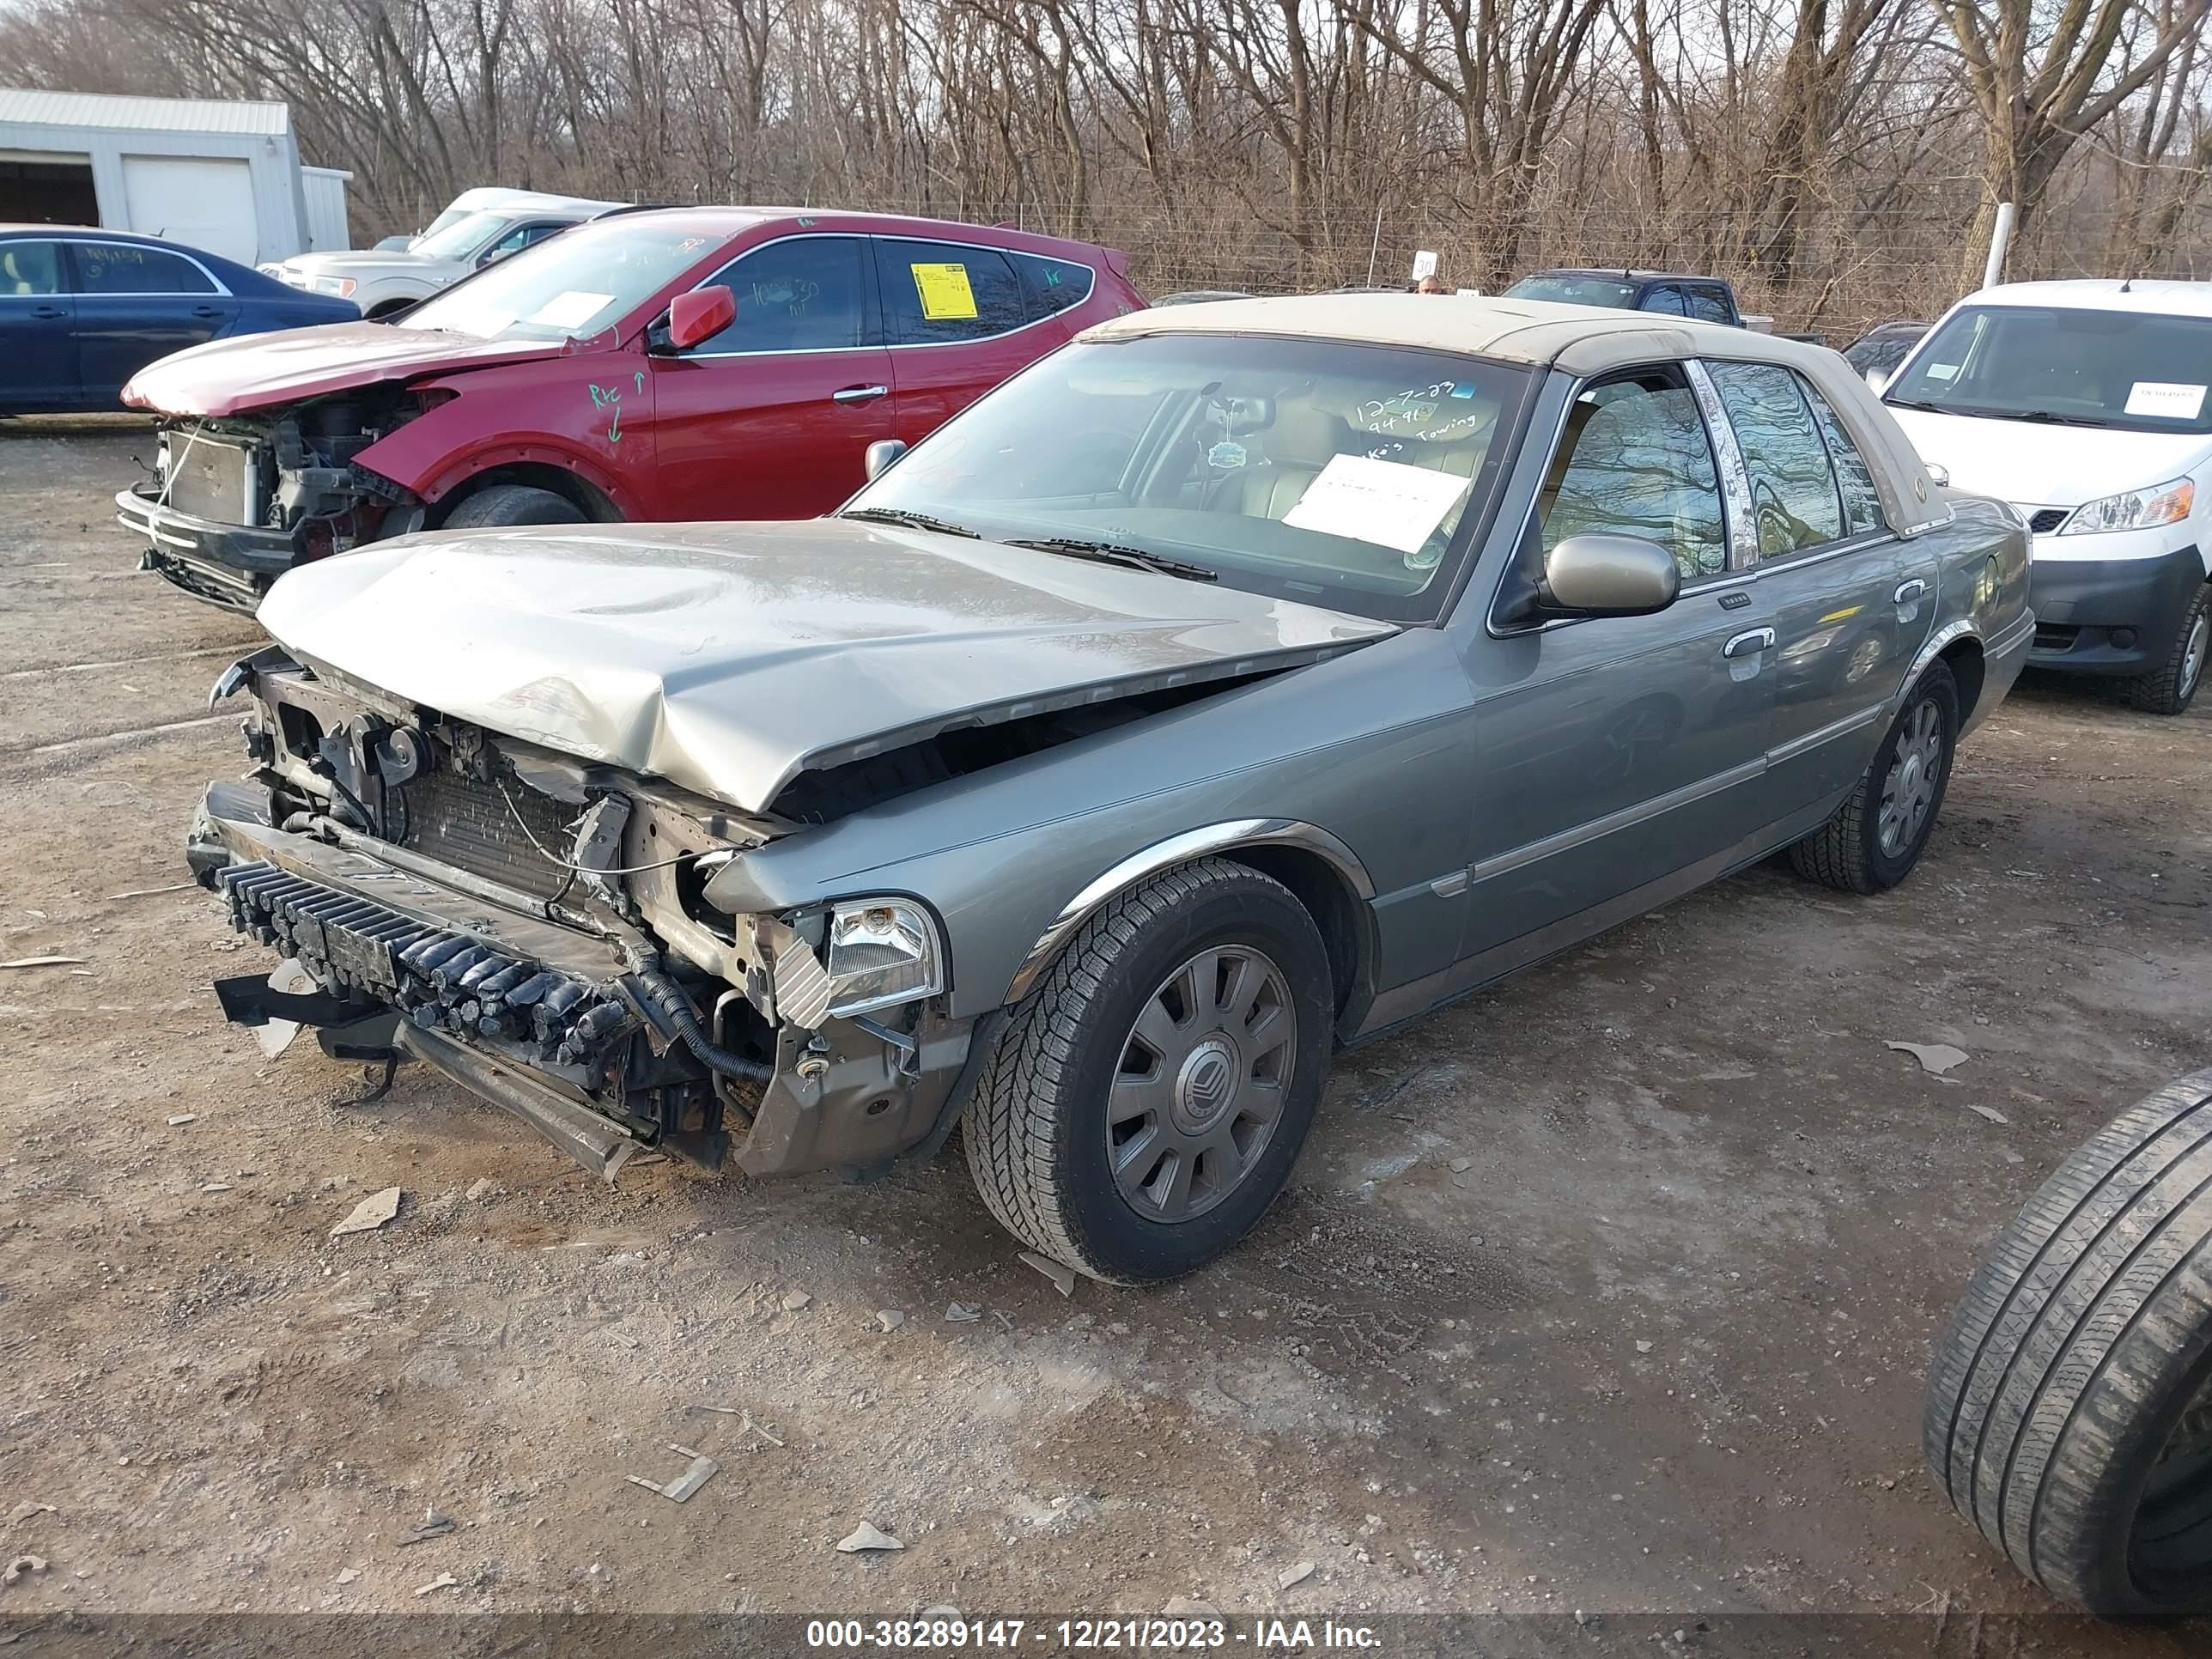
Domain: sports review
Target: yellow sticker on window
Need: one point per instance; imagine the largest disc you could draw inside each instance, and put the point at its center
(944, 291)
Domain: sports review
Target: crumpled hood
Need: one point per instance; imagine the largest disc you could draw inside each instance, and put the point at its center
(259, 371)
(2030, 463)
(729, 658)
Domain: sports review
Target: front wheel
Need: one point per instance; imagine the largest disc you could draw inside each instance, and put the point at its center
(2171, 687)
(1876, 838)
(498, 505)
(1145, 1104)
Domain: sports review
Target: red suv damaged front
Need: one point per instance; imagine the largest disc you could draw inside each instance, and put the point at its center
(550, 388)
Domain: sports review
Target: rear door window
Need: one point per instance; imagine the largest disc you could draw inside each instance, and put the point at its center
(1666, 299)
(803, 293)
(1708, 305)
(934, 293)
(1052, 284)
(1795, 502)
(117, 268)
(28, 269)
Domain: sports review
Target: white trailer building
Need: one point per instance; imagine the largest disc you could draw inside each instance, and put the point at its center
(225, 177)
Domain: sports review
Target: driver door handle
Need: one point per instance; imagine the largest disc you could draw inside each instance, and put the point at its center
(1757, 638)
(1908, 592)
(859, 394)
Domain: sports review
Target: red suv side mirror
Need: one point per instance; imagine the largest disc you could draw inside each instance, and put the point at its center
(700, 315)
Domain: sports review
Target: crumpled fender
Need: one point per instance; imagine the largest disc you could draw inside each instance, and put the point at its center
(589, 413)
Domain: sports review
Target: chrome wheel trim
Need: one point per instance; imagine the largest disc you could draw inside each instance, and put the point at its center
(1909, 791)
(1200, 1082)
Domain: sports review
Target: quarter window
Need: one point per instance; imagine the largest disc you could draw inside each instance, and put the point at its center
(1794, 502)
(117, 268)
(1634, 460)
(1052, 284)
(1861, 503)
(935, 292)
(803, 294)
(28, 269)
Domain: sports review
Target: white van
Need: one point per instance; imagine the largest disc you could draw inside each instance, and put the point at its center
(2085, 405)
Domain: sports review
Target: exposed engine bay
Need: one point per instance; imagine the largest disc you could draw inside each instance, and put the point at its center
(293, 470)
(536, 926)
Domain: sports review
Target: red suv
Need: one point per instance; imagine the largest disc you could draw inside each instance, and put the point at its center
(676, 364)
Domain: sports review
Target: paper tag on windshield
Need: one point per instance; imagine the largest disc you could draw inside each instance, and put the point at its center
(1942, 371)
(2165, 400)
(571, 310)
(944, 292)
(1384, 503)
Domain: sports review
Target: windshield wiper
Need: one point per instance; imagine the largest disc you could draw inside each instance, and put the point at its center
(1111, 553)
(2045, 417)
(907, 520)
(1917, 403)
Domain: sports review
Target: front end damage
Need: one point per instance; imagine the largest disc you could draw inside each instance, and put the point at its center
(236, 501)
(535, 928)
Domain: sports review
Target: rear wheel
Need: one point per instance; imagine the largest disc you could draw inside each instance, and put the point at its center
(1145, 1104)
(1877, 836)
(513, 504)
(2171, 686)
(2069, 1409)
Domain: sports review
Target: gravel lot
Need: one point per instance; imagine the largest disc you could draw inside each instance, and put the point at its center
(1609, 1289)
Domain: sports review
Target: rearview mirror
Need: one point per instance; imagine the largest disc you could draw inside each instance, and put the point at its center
(1598, 574)
(880, 454)
(700, 315)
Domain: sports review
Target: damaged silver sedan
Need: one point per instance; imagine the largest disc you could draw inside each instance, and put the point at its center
(1240, 682)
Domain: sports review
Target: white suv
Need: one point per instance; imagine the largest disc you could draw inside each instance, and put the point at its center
(383, 282)
(2088, 406)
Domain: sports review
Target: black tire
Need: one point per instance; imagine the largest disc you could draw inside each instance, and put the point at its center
(1037, 1131)
(513, 504)
(2056, 1405)
(2171, 687)
(1847, 852)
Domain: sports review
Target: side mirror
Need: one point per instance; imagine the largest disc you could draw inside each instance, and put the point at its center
(700, 315)
(1877, 380)
(879, 456)
(1598, 574)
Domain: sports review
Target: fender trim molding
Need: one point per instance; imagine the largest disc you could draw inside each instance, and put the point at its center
(1183, 848)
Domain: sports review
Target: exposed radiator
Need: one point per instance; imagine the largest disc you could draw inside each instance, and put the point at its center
(472, 826)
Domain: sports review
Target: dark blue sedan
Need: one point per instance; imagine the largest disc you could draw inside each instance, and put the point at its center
(83, 311)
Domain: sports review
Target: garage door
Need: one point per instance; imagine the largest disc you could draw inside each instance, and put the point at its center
(199, 201)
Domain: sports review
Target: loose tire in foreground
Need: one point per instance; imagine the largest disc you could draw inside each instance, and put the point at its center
(1144, 1105)
(2069, 1410)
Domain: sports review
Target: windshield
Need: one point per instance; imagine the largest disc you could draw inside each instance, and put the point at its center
(463, 237)
(451, 216)
(1337, 475)
(573, 284)
(1575, 291)
(2130, 370)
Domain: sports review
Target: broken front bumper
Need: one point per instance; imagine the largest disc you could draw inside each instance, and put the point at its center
(225, 564)
(528, 1013)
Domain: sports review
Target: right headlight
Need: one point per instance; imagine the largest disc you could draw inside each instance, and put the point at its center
(2134, 509)
(881, 951)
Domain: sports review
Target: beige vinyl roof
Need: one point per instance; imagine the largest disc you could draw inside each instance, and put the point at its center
(1577, 340)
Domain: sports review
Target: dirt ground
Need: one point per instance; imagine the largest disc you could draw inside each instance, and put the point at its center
(1609, 1290)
